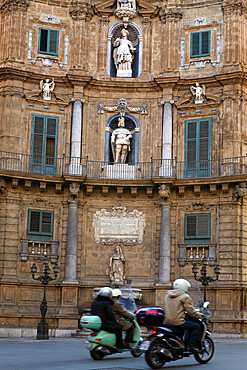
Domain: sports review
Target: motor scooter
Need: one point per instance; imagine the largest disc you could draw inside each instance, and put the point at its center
(102, 343)
(166, 342)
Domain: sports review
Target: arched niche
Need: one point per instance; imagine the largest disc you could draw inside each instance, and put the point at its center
(135, 36)
(132, 125)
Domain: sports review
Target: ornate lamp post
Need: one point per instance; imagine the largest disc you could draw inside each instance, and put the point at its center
(204, 279)
(43, 328)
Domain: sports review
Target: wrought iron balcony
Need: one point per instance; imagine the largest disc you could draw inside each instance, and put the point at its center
(156, 168)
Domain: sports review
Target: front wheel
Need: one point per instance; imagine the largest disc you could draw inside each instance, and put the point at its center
(96, 355)
(153, 356)
(208, 351)
(136, 351)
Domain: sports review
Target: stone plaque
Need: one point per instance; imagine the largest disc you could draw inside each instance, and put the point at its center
(119, 225)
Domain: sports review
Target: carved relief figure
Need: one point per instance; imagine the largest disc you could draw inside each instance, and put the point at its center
(117, 262)
(198, 92)
(47, 88)
(131, 4)
(123, 54)
(120, 142)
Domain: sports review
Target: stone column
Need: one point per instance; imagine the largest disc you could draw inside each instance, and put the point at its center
(75, 165)
(71, 247)
(165, 243)
(166, 168)
(165, 235)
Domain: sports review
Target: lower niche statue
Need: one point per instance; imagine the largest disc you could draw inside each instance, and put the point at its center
(120, 142)
(117, 262)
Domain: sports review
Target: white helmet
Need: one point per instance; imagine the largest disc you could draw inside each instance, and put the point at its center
(181, 284)
(105, 292)
(116, 293)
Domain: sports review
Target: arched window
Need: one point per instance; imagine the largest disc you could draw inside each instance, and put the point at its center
(135, 36)
(132, 125)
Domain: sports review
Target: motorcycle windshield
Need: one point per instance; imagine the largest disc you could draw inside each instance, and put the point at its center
(127, 299)
(195, 293)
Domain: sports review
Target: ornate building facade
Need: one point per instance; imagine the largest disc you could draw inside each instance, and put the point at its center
(123, 129)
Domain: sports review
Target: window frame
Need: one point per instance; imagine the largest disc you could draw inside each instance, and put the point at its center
(197, 239)
(200, 54)
(40, 235)
(48, 52)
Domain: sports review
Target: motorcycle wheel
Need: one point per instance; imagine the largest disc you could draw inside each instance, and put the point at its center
(96, 355)
(153, 356)
(208, 352)
(136, 352)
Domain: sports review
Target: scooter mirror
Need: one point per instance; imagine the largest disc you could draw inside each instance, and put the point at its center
(205, 304)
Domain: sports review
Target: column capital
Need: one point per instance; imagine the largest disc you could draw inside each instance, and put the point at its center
(73, 202)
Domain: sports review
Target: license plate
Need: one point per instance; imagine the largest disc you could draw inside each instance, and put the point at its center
(144, 345)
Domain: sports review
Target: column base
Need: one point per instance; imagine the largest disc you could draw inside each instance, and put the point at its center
(42, 331)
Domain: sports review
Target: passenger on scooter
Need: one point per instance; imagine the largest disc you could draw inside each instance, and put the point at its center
(177, 301)
(120, 313)
(102, 306)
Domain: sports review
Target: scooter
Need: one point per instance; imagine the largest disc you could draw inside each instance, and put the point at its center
(166, 343)
(102, 343)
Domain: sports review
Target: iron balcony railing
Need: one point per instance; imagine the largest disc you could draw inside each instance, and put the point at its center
(156, 168)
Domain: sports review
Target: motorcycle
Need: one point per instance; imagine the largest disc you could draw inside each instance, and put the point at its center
(102, 343)
(166, 342)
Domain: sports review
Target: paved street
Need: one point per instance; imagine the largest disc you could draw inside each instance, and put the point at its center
(71, 354)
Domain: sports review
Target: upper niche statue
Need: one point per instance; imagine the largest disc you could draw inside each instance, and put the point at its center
(123, 54)
(47, 88)
(123, 4)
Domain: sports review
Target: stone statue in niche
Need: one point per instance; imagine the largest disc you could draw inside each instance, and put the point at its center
(120, 142)
(47, 88)
(123, 55)
(129, 4)
(198, 92)
(117, 262)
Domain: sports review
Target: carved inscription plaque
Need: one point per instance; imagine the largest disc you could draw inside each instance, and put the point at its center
(119, 225)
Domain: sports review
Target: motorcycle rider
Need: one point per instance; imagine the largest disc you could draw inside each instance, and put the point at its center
(120, 313)
(177, 301)
(102, 306)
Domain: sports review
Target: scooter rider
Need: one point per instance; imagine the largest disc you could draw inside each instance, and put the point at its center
(177, 301)
(120, 313)
(102, 306)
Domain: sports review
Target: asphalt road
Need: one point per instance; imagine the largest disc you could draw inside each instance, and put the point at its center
(71, 354)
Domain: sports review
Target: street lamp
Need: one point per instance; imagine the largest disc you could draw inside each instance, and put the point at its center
(43, 328)
(204, 279)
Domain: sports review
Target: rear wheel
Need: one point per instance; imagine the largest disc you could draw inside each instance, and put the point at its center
(153, 356)
(208, 352)
(96, 355)
(136, 351)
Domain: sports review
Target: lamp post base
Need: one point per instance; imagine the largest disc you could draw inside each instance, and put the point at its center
(42, 331)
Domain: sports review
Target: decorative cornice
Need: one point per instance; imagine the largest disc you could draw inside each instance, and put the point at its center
(170, 14)
(233, 6)
(81, 11)
(13, 5)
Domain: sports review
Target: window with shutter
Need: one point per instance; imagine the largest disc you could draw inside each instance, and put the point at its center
(48, 41)
(197, 228)
(44, 144)
(40, 225)
(200, 44)
(197, 147)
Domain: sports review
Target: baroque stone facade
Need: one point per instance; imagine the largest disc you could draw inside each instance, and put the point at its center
(181, 193)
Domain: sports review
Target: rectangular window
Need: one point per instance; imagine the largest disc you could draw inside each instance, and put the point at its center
(198, 147)
(200, 44)
(40, 224)
(197, 228)
(48, 41)
(44, 144)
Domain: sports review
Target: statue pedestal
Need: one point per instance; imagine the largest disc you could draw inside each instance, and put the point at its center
(120, 171)
(124, 73)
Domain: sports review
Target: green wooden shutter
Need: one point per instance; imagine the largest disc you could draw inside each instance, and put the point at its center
(203, 140)
(203, 225)
(48, 41)
(43, 40)
(38, 137)
(34, 221)
(195, 44)
(46, 223)
(191, 226)
(191, 141)
(205, 43)
(53, 45)
(50, 140)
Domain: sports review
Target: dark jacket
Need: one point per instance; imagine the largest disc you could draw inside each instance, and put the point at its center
(102, 307)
